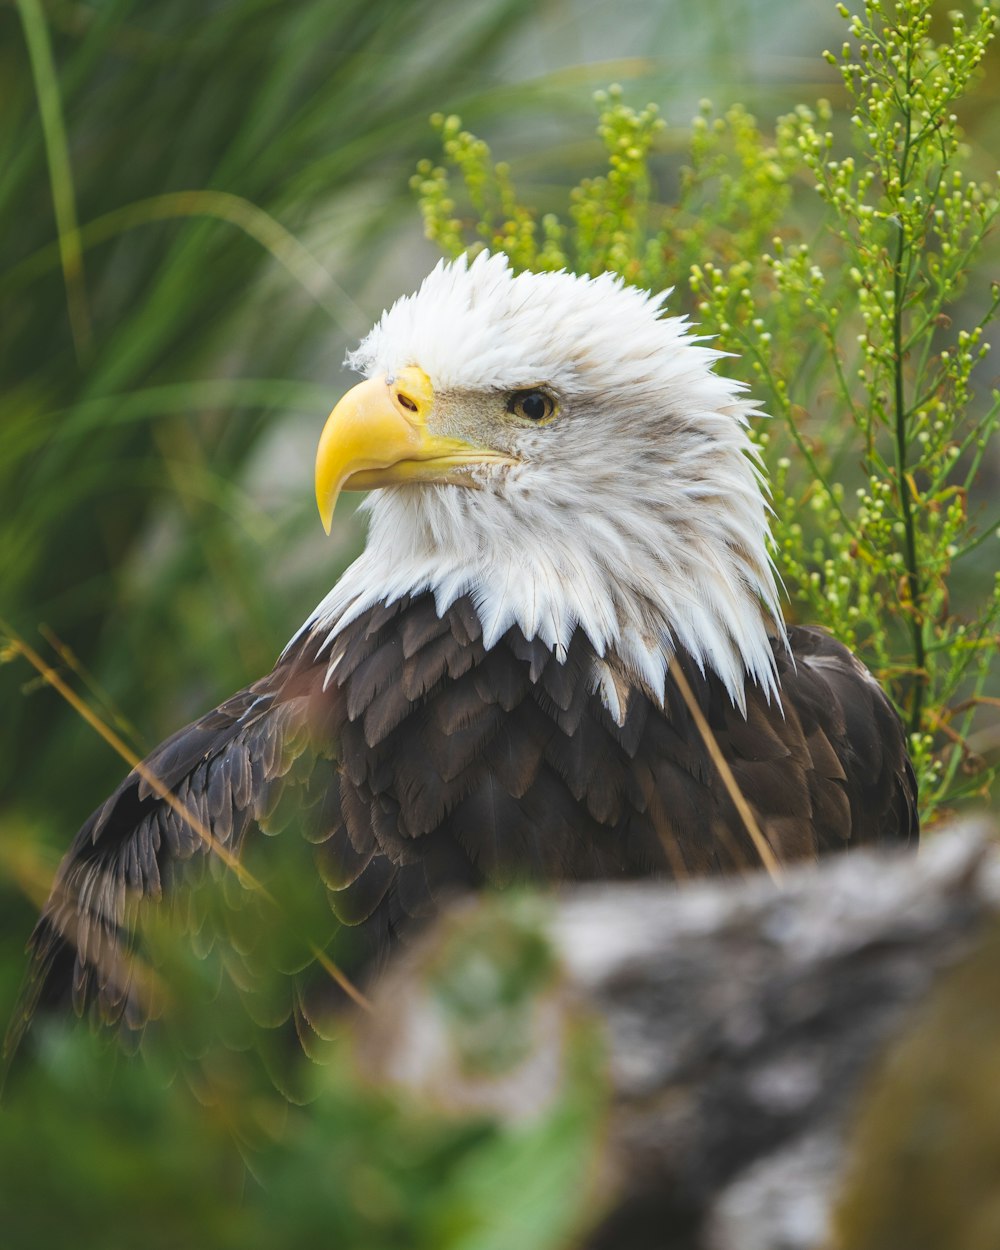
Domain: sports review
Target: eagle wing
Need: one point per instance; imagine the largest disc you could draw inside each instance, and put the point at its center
(260, 760)
(827, 768)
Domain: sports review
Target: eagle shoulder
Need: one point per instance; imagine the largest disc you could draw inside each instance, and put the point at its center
(855, 740)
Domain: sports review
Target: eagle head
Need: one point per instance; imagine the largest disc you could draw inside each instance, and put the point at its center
(560, 451)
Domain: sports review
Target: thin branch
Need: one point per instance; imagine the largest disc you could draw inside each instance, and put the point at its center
(763, 847)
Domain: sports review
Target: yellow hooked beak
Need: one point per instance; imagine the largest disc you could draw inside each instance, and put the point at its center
(377, 436)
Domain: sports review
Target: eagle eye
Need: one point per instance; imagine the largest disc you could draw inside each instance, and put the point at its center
(533, 405)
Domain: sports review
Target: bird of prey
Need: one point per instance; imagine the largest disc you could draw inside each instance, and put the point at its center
(568, 530)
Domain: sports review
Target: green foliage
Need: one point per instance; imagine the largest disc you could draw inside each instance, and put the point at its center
(833, 260)
(222, 1133)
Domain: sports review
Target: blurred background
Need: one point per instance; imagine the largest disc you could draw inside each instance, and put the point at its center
(203, 205)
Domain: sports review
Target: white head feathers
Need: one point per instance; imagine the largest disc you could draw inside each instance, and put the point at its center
(637, 515)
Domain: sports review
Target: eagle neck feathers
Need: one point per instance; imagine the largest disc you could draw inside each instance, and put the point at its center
(718, 605)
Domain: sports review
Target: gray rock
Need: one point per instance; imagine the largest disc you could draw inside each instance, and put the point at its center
(742, 1020)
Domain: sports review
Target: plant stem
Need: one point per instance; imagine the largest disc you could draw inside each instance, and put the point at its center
(906, 501)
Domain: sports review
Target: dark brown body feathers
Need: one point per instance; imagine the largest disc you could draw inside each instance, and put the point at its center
(430, 765)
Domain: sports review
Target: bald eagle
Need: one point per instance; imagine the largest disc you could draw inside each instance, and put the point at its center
(567, 527)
